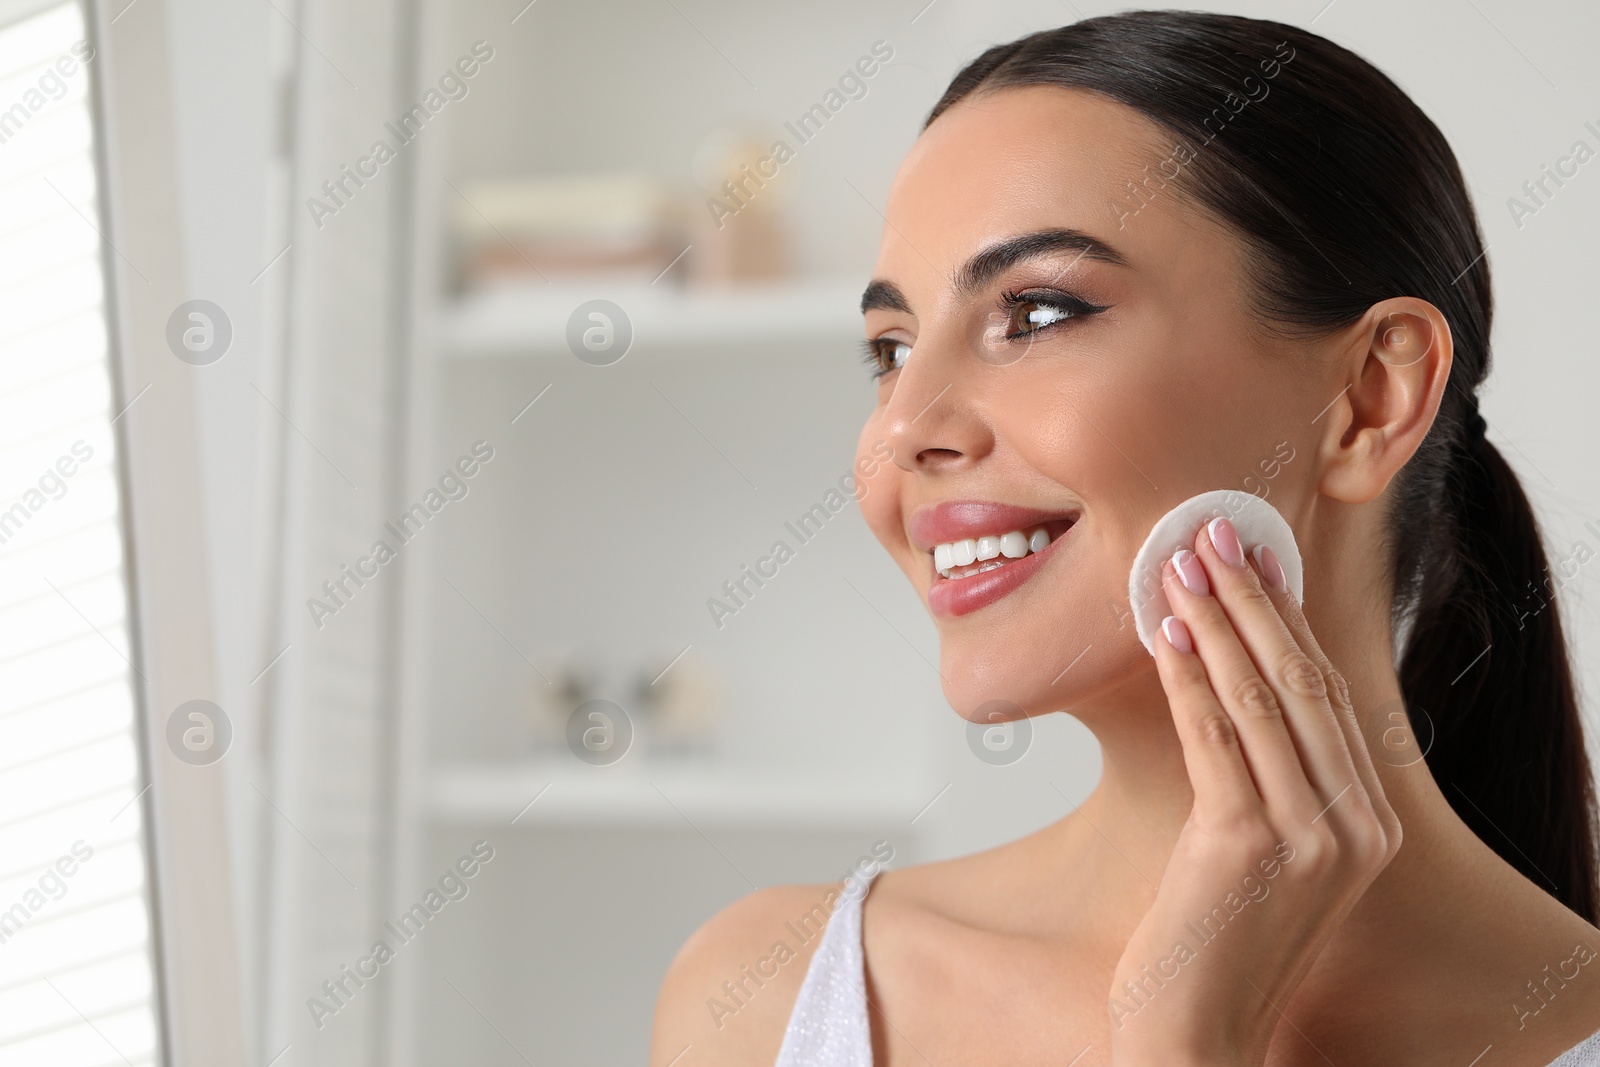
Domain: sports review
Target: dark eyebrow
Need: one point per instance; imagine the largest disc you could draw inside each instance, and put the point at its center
(982, 268)
(885, 295)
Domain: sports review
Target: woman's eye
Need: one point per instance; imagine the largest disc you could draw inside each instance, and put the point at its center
(885, 354)
(1030, 315)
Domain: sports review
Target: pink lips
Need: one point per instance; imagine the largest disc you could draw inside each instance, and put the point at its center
(957, 520)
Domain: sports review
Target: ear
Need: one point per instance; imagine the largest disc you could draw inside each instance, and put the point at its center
(1395, 364)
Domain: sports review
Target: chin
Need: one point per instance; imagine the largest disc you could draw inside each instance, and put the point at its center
(1011, 671)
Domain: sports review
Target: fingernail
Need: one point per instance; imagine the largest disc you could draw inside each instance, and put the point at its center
(1190, 572)
(1226, 541)
(1271, 569)
(1176, 633)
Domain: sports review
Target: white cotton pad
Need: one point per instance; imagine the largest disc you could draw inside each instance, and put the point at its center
(1257, 521)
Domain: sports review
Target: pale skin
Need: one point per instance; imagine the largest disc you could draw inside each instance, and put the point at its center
(1394, 936)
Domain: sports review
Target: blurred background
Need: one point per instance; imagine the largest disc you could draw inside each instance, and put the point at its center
(399, 397)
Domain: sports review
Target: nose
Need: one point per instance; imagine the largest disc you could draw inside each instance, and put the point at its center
(933, 420)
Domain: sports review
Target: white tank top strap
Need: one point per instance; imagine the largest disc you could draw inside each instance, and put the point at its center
(829, 1027)
(1584, 1054)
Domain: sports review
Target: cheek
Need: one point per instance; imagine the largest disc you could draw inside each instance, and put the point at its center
(878, 487)
(883, 515)
(1118, 421)
(1095, 429)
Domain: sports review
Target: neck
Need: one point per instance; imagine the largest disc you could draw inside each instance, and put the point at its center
(1139, 808)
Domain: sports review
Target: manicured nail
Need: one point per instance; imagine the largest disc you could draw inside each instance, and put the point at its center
(1226, 541)
(1271, 569)
(1176, 633)
(1190, 572)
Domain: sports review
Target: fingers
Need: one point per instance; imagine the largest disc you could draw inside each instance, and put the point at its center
(1327, 750)
(1294, 762)
(1211, 754)
(1257, 708)
(1338, 697)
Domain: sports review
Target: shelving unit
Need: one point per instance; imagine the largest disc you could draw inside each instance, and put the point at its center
(514, 322)
(531, 319)
(548, 794)
(824, 749)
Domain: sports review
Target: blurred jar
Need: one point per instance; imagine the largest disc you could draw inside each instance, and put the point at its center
(741, 231)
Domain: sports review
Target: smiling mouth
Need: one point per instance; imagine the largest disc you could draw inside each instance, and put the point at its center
(956, 560)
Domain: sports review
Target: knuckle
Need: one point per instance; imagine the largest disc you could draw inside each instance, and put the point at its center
(1301, 676)
(1317, 854)
(1240, 836)
(1255, 698)
(1368, 840)
(1393, 836)
(1253, 595)
(1339, 686)
(1215, 728)
(1187, 683)
(1256, 837)
(1381, 833)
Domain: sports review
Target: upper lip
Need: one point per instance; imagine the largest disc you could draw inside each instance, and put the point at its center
(958, 520)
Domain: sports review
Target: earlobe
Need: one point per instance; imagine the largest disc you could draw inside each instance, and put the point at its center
(1404, 354)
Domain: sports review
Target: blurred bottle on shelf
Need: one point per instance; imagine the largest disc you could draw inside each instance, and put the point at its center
(562, 681)
(684, 702)
(676, 703)
(740, 231)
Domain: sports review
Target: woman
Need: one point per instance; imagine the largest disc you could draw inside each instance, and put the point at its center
(1128, 261)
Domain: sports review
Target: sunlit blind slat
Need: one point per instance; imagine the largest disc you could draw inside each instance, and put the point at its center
(75, 965)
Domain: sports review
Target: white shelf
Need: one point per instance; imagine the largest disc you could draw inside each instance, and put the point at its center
(686, 797)
(531, 319)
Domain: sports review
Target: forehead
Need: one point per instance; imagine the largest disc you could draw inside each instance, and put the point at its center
(1037, 157)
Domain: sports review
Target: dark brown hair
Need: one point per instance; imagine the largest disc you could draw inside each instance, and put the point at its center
(1346, 194)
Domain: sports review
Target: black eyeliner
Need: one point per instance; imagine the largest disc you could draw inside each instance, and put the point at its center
(1075, 306)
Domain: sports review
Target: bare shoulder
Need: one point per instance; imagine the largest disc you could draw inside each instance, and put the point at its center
(1511, 967)
(1555, 999)
(728, 993)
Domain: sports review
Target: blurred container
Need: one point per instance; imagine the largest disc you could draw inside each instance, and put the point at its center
(562, 681)
(741, 231)
(616, 225)
(685, 703)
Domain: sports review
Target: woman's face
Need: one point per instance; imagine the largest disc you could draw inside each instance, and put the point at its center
(1066, 356)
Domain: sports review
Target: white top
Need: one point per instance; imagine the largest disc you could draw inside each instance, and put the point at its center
(829, 1028)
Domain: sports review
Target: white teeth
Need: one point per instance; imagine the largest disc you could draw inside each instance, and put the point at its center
(987, 550)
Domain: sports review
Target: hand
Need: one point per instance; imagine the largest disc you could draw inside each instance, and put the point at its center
(1289, 826)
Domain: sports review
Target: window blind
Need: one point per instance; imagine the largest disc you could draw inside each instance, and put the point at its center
(76, 975)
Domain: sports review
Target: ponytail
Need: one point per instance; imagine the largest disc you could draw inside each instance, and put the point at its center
(1507, 746)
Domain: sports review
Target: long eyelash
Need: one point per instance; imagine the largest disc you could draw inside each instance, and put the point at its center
(1073, 305)
(870, 356)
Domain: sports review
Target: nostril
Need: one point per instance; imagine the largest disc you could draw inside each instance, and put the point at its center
(937, 457)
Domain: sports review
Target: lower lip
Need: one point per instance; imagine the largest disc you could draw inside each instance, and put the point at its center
(950, 597)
